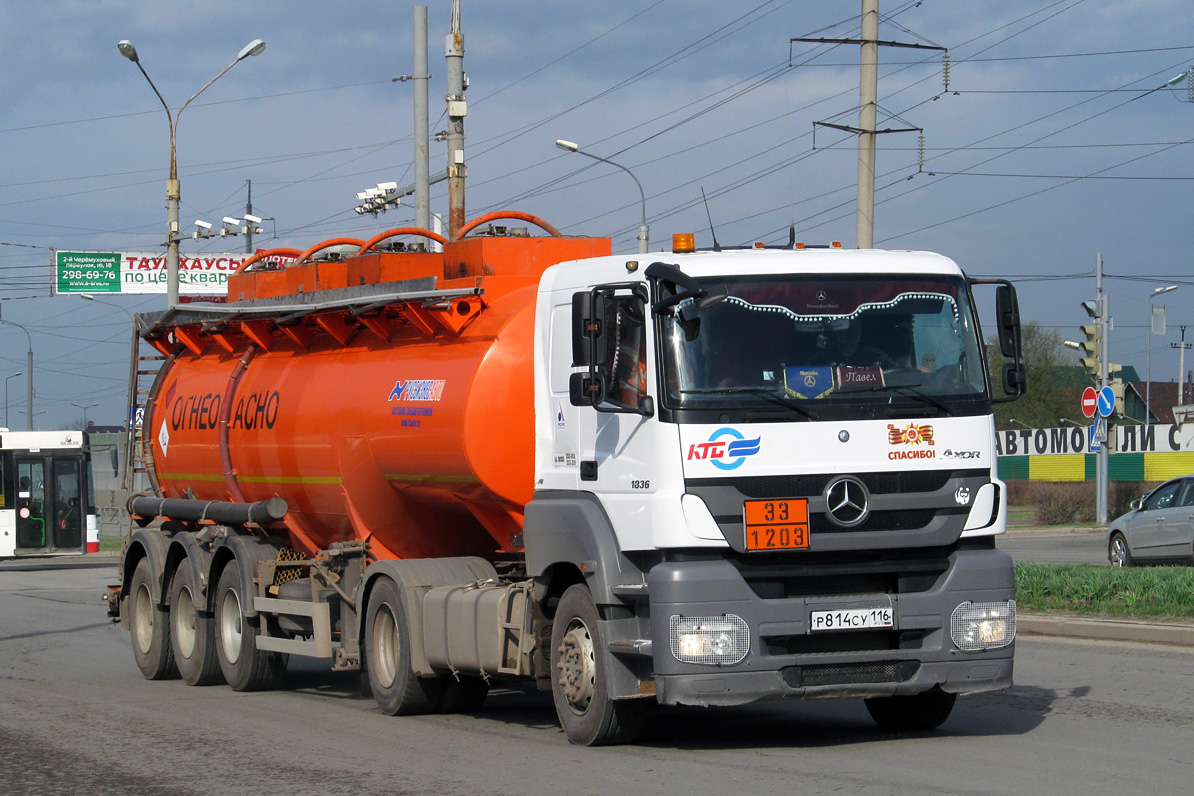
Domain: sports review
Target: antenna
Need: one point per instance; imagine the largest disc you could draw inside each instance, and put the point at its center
(716, 245)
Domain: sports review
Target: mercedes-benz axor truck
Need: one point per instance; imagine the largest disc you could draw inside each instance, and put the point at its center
(684, 478)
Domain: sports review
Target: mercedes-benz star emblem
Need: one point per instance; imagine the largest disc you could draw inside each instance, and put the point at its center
(847, 502)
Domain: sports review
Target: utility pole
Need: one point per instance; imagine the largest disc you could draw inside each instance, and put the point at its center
(1102, 460)
(249, 225)
(868, 100)
(457, 109)
(1181, 367)
(868, 111)
(422, 143)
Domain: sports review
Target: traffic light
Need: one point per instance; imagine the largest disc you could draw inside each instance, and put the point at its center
(1092, 349)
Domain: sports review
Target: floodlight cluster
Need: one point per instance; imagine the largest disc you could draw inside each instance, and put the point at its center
(231, 226)
(378, 199)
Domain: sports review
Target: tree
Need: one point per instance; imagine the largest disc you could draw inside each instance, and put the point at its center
(1054, 384)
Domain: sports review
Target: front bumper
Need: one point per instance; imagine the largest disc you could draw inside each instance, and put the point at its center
(786, 660)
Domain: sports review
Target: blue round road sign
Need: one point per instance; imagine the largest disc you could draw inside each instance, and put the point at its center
(1106, 402)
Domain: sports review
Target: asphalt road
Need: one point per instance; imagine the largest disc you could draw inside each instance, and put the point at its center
(1054, 546)
(76, 717)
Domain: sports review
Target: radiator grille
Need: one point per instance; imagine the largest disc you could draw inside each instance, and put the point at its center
(850, 673)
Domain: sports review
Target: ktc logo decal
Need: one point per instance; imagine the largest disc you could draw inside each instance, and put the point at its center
(719, 451)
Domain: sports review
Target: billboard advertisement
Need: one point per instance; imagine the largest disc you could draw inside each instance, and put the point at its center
(142, 272)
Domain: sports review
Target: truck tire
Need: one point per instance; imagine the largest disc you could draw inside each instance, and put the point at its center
(464, 695)
(579, 687)
(245, 667)
(397, 690)
(192, 632)
(925, 711)
(150, 627)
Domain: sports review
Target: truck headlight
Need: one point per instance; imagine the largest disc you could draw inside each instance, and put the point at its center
(983, 626)
(709, 639)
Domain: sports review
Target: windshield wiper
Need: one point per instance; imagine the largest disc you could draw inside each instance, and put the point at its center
(759, 392)
(910, 390)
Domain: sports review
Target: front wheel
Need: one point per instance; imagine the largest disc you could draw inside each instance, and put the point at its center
(150, 627)
(397, 690)
(245, 667)
(580, 685)
(1117, 551)
(925, 711)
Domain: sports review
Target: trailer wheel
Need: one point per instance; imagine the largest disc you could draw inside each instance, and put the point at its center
(925, 711)
(464, 695)
(579, 686)
(245, 667)
(150, 627)
(396, 688)
(192, 633)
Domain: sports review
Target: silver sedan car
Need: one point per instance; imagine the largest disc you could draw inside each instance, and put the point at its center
(1159, 528)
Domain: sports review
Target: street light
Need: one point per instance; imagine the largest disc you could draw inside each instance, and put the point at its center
(84, 407)
(126, 48)
(89, 297)
(6, 378)
(1148, 385)
(1072, 422)
(28, 376)
(1018, 423)
(644, 233)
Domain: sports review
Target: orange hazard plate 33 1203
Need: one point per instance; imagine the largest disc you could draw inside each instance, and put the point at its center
(776, 524)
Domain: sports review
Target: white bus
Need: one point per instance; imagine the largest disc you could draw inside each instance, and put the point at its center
(47, 505)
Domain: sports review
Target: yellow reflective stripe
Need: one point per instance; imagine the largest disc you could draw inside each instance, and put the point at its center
(255, 479)
(434, 479)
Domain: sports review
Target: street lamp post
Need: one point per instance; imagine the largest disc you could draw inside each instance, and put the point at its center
(84, 407)
(28, 376)
(644, 232)
(89, 297)
(1148, 385)
(126, 48)
(6, 378)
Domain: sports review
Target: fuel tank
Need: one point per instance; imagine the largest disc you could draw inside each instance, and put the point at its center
(399, 412)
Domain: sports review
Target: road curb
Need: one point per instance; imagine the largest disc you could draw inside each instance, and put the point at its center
(1177, 635)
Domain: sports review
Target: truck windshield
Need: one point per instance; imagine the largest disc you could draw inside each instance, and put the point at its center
(820, 347)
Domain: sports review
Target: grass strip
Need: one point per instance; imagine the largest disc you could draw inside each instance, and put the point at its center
(1088, 589)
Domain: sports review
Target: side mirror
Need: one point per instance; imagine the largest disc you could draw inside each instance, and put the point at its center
(1135, 505)
(1008, 311)
(588, 336)
(115, 462)
(587, 389)
(1015, 378)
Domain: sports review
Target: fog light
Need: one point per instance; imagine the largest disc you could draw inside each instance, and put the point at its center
(981, 626)
(709, 639)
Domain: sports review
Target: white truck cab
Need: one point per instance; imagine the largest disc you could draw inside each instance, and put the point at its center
(776, 470)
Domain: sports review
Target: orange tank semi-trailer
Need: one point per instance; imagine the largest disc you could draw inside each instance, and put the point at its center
(401, 431)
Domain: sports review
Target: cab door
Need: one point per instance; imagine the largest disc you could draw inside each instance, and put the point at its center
(31, 505)
(50, 505)
(68, 500)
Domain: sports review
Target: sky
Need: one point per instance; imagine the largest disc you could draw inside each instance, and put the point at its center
(1053, 142)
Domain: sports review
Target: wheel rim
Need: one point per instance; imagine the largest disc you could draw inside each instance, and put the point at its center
(1119, 552)
(185, 617)
(143, 619)
(578, 666)
(385, 646)
(230, 625)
